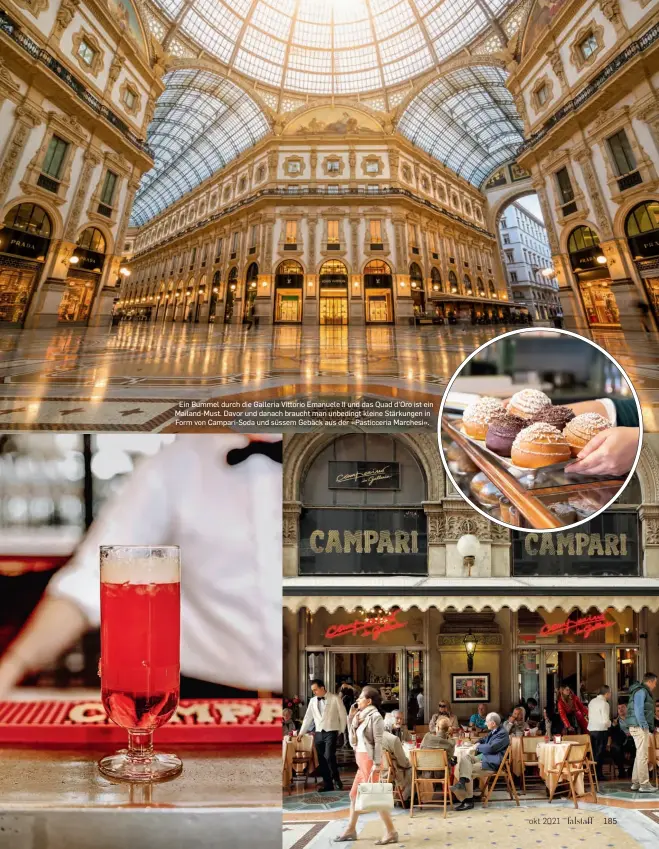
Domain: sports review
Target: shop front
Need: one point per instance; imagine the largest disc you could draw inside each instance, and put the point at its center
(251, 290)
(229, 304)
(24, 244)
(416, 289)
(85, 270)
(214, 295)
(591, 271)
(378, 285)
(289, 282)
(333, 282)
(642, 231)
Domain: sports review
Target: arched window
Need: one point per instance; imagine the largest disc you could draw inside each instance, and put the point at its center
(289, 266)
(289, 275)
(415, 272)
(453, 282)
(436, 280)
(582, 238)
(377, 275)
(92, 239)
(333, 273)
(492, 289)
(252, 276)
(643, 218)
(481, 287)
(216, 282)
(31, 219)
(468, 287)
(233, 278)
(377, 266)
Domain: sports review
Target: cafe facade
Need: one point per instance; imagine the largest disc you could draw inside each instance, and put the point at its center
(375, 596)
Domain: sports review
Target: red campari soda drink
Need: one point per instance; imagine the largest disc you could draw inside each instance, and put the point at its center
(140, 654)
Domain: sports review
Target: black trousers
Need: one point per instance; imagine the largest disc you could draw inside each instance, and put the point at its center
(325, 743)
(599, 740)
(624, 755)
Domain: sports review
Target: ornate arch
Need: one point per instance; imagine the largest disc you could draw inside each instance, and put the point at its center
(105, 230)
(55, 215)
(302, 449)
(625, 208)
(648, 475)
(512, 194)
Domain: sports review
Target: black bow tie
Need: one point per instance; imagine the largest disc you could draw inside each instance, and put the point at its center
(321, 698)
(273, 450)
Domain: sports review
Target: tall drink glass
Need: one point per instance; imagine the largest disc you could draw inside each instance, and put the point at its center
(140, 654)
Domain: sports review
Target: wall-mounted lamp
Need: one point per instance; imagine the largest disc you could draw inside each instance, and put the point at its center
(468, 547)
(601, 259)
(125, 272)
(470, 642)
(74, 260)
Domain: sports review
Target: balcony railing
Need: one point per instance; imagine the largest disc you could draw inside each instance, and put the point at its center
(46, 182)
(316, 192)
(13, 30)
(610, 70)
(629, 180)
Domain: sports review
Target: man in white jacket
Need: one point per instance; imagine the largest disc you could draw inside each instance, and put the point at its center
(599, 722)
(328, 715)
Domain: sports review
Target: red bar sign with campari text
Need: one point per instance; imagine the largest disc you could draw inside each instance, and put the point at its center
(579, 627)
(366, 627)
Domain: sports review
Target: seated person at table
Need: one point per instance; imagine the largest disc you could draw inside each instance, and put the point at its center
(440, 738)
(622, 747)
(551, 723)
(572, 711)
(393, 722)
(477, 720)
(531, 709)
(484, 758)
(516, 723)
(288, 721)
(444, 709)
(392, 744)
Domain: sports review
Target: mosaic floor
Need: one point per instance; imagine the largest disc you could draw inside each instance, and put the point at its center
(134, 376)
(502, 825)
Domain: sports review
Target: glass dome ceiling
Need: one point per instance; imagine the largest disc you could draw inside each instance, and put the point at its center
(331, 46)
(467, 119)
(201, 122)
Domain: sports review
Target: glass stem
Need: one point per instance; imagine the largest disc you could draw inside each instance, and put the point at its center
(140, 745)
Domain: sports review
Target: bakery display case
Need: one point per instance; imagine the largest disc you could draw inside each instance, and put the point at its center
(535, 498)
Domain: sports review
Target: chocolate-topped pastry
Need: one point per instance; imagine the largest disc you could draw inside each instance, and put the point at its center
(501, 433)
(557, 416)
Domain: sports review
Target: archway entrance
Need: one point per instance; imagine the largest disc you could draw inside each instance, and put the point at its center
(212, 302)
(592, 274)
(85, 270)
(416, 288)
(231, 295)
(378, 282)
(289, 280)
(251, 291)
(333, 280)
(24, 243)
(642, 231)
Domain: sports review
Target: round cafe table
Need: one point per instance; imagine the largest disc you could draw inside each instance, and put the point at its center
(292, 746)
(549, 755)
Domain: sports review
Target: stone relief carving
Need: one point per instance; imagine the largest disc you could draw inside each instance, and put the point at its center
(34, 6)
(90, 162)
(583, 157)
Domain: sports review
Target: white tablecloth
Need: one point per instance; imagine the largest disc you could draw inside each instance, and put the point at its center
(549, 755)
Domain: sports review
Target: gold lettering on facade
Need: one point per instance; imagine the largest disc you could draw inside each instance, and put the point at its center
(364, 542)
(579, 544)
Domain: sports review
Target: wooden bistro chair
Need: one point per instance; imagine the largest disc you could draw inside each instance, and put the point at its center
(434, 761)
(653, 757)
(590, 757)
(530, 757)
(489, 781)
(302, 762)
(573, 765)
(389, 775)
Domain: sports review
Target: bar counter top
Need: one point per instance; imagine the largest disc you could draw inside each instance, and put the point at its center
(56, 798)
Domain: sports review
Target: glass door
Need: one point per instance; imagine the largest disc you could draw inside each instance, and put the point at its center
(378, 309)
(333, 310)
(15, 287)
(583, 671)
(288, 307)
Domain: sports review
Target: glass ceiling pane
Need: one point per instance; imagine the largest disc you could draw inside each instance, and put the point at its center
(201, 122)
(466, 119)
(247, 33)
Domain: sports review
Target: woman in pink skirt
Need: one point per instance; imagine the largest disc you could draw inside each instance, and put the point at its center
(366, 727)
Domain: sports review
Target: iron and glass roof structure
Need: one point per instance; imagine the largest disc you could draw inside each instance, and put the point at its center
(201, 122)
(331, 46)
(466, 119)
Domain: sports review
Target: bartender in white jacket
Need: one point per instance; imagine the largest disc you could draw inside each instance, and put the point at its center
(599, 722)
(328, 715)
(219, 498)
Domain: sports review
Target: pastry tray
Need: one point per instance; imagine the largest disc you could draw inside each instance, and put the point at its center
(518, 471)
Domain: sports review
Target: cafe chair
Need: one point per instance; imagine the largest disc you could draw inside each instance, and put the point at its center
(653, 757)
(490, 779)
(390, 775)
(590, 757)
(434, 761)
(530, 758)
(573, 765)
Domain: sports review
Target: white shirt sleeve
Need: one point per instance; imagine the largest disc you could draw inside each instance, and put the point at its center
(136, 515)
(610, 410)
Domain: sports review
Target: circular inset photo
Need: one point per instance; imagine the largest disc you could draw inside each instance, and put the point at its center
(540, 429)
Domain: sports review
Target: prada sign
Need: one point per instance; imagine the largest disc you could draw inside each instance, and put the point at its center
(645, 246)
(363, 542)
(358, 474)
(607, 546)
(20, 243)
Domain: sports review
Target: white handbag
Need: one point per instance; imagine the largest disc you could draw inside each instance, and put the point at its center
(374, 796)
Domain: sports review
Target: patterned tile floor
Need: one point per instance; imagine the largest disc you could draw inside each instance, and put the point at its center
(132, 377)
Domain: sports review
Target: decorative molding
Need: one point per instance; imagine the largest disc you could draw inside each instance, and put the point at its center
(36, 7)
(333, 157)
(116, 67)
(543, 83)
(126, 87)
(291, 161)
(556, 62)
(576, 56)
(96, 65)
(372, 158)
(90, 161)
(64, 17)
(584, 157)
(611, 11)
